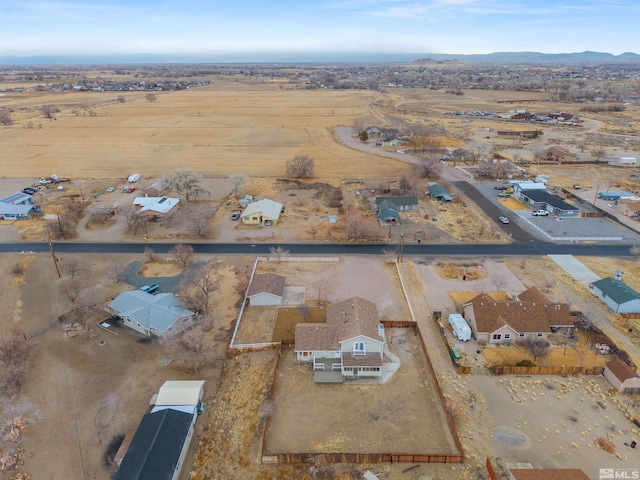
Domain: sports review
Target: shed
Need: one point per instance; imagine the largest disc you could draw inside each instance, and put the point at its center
(614, 195)
(623, 378)
(438, 192)
(266, 289)
(619, 296)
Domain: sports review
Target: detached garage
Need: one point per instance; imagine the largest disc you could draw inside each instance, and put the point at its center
(266, 289)
(622, 376)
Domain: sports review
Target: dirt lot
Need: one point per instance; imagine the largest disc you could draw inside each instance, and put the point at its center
(404, 415)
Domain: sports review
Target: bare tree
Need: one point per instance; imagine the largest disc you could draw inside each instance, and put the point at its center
(197, 286)
(498, 282)
(5, 116)
(598, 153)
(407, 185)
(427, 168)
(538, 348)
(74, 267)
(14, 351)
(238, 180)
(187, 183)
(278, 252)
(193, 347)
(182, 254)
(151, 97)
(106, 418)
(49, 111)
(121, 99)
(200, 224)
(390, 255)
(15, 416)
(116, 270)
(149, 254)
(304, 310)
(539, 155)
(301, 166)
(324, 290)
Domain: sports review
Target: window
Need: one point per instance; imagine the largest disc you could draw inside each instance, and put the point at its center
(507, 336)
(521, 334)
(538, 334)
(496, 336)
(358, 348)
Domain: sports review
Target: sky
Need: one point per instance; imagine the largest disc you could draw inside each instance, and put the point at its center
(260, 28)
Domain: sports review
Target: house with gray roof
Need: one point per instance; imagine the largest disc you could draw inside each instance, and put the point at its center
(18, 206)
(388, 207)
(438, 192)
(543, 200)
(350, 345)
(161, 315)
(619, 296)
(159, 447)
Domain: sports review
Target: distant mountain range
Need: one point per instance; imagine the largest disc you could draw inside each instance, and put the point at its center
(327, 58)
(537, 57)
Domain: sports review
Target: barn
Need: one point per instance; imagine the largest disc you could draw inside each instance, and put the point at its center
(623, 378)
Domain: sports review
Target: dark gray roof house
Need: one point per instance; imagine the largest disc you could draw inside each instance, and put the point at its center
(541, 199)
(388, 207)
(619, 296)
(158, 448)
(438, 192)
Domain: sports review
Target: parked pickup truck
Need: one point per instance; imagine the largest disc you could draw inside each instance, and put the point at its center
(539, 213)
(153, 288)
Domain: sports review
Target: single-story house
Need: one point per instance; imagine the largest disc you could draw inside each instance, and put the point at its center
(623, 378)
(530, 316)
(438, 192)
(155, 205)
(613, 195)
(527, 185)
(403, 203)
(623, 161)
(182, 395)
(160, 315)
(350, 345)
(559, 154)
(388, 207)
(387, 212)
(19, 212)
(547, 474)
(266, 289)
(18, 198)
(543, 200)
(620, 297)
(262, 212)
(18, 206)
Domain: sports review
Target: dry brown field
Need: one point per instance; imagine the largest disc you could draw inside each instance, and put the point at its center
(219, 129)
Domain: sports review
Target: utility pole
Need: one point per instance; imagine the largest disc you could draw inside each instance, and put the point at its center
(53, 252)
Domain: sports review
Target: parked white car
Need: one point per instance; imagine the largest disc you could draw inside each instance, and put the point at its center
(539, 213)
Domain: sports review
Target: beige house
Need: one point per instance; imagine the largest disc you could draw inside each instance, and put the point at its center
(623, 378)
(350, 345)
(263, 212)
(530, 316)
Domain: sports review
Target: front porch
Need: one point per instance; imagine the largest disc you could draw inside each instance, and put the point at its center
(327, 370)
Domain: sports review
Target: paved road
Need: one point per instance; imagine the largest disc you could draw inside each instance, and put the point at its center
(472, 250)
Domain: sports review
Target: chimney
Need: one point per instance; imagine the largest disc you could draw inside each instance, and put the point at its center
(618, 275)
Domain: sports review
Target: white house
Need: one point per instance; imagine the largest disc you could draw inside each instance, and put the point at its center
(619, 296)
(158, 205)
(160, 315)
(350, 345)
(266, 289)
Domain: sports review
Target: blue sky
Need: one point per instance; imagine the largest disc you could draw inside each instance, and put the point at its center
(233, 27)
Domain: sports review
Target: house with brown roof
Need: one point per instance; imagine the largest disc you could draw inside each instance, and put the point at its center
(350, 345)
(623, 378)
(530, 316)
(559, 154)
(266, 289)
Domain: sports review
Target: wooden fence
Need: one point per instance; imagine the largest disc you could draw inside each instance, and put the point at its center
(44, 328)
(511, 370)
(324, 458)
